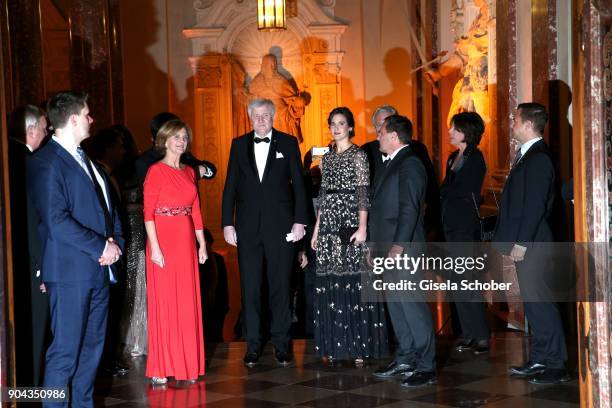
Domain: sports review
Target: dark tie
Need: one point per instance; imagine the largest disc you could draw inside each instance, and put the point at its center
(519, 154)
(262, 139)
(107, 218)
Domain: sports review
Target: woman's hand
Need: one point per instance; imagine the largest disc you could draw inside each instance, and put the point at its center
(157, 257)
(359, 236)
(202, 254)
(313, 241)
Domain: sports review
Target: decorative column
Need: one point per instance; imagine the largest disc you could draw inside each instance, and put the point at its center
(212, 133)
(322, 80)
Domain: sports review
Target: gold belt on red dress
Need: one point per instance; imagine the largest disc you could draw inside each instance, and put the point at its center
(173, 211)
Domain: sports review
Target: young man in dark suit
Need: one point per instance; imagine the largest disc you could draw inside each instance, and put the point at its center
(523, 221)
(263, 213)
(396, 216)
(81, 237)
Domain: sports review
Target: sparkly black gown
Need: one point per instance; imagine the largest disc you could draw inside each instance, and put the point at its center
(134, 316)
(344, 326)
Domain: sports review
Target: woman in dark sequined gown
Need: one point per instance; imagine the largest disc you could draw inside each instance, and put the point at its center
(133, 327)
(344, 326)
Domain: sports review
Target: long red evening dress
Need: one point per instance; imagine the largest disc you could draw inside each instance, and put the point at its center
(176, 340)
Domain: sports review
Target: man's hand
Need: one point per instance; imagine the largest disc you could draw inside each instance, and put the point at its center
(302, 259)
(157, 257)
(111, 253)
(518, 253)
(298, 232)
(395, 250)
(205, 172)
(43, 288)
(229, 234)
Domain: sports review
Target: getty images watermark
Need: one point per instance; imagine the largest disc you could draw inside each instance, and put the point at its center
(439, 265)
(483, 272)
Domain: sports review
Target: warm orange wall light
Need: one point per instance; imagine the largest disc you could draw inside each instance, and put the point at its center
(271, 15)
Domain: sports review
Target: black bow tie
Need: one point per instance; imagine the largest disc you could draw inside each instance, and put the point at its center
(262, 139)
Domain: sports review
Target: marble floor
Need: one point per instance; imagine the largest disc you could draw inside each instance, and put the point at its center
(463, 381)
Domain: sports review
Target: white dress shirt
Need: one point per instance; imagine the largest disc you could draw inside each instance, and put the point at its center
(525, 146)
(261, 154)
(392, 155)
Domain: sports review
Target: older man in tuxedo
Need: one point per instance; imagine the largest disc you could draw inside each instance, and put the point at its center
(81, 236)
(398, 195)
(524, 220)
(27, 130)
(264, 212)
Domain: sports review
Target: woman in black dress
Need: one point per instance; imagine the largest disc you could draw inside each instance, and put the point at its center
(345, 328)
(459, 194)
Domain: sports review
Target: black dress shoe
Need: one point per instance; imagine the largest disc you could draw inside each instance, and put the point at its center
(481, 347)
(528, 369)
(250, 359)
(550, 376)
(394, 370)
(282, 358)
(420, 379)
(466, 345)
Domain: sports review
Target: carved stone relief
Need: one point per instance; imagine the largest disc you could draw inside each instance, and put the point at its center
(209, 77)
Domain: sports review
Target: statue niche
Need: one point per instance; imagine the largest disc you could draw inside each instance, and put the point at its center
(269, 83)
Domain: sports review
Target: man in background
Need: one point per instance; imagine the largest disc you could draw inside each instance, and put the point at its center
(27, 131)
(524, 220)
(203, 169)
(376, 159)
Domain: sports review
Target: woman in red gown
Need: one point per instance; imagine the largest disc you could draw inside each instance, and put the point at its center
(173, 223)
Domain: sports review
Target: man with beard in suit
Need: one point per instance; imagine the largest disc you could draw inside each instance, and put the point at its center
(263, 213)
(27, 129)
(80, 237)
(398, 195)
(524, 220)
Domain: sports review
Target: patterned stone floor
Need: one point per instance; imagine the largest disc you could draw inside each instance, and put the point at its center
(463, 381)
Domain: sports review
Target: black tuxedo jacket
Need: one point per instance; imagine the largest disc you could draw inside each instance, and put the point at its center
(24, 218)
(266, 208)
(459, 190)
(527, 200)
(432, 195)
(398, 194)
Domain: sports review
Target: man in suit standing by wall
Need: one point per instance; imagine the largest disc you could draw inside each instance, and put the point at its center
(264, 200)
(524, 212)
(398, 195)
(80, 235)
(27, 130)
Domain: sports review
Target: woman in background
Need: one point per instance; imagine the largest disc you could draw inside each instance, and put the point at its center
(134, 315)
(460, 194)
(173, 223)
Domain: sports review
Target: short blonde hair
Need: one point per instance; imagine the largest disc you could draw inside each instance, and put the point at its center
(169, 129)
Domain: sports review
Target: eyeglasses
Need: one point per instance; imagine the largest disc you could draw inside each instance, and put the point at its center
(265, 117)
